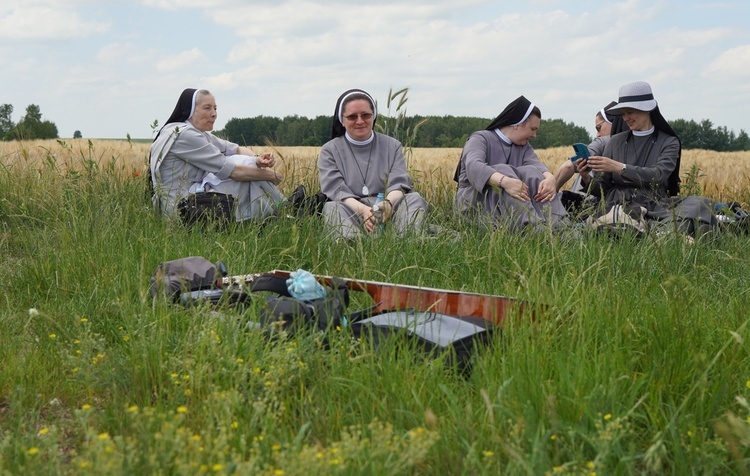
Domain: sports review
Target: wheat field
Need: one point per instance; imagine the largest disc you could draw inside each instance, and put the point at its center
(722, 175)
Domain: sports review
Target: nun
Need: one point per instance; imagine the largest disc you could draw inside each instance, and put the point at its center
(356, 164)
(639, 169)
(185, 158)
(500, 178)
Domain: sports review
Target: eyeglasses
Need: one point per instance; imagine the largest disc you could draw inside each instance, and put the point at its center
(599, 126)
(366, 116)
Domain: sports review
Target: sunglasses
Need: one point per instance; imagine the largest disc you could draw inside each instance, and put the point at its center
(599, 126)
(366, 116)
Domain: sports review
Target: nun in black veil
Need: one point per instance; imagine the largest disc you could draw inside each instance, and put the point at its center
(186, 159)
(501, 179)
(357, 164)
(639, 169)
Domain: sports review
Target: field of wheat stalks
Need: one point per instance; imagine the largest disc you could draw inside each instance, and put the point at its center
(722, 176)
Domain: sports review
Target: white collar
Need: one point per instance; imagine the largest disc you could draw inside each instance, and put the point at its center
(503, 137)
(360, 142)
(644, 133)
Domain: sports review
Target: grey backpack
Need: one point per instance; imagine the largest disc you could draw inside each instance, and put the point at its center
(172, 278)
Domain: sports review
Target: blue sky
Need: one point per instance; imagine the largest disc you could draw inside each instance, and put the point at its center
(110, 68)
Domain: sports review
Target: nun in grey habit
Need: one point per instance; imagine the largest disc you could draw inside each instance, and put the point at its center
(500, 178)
(639, 169)
(186, 158)
(357, 164)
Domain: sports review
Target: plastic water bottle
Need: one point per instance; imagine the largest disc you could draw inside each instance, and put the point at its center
(377, 213)
(303, 285)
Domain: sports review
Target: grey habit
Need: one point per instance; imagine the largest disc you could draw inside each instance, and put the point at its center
(486, 153)
(650, 162)
(182, 156)
(345, 167)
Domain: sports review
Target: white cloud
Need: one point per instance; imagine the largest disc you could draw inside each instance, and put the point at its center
(734, 63)
(47, 23)
(180, 60)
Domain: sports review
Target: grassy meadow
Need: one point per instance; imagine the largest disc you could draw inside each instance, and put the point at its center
(638, 363)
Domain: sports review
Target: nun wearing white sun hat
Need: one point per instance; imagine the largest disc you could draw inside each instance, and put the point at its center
(641, 167)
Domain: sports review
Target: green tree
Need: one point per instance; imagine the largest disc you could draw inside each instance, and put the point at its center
(704, 135)
(6, 121)
(556, 133)
(77, 135)
(32, 126)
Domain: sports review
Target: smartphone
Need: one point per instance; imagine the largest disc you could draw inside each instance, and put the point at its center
(582, 152)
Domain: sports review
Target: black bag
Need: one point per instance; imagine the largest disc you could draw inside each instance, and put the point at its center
(433, 332)
(205, 208)
(282, 312)
(306, 205)
(732, 217)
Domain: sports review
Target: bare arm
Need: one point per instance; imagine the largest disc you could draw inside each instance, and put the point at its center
(564, 173)
(247, 173)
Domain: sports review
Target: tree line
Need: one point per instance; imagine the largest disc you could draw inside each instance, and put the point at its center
(412, 131)
(452, 131)
(31, 126)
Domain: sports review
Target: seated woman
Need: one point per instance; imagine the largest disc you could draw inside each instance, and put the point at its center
(186, 158)
(500, 176)
(640, 169)
(357, 164)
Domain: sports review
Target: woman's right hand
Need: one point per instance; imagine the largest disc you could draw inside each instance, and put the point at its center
(368, 219)
(515, 188)
(276, 177)
(583, 168)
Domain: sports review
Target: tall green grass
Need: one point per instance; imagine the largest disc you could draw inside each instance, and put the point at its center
(640, 363)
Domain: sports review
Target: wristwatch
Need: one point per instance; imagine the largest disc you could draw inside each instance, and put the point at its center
(623, 169)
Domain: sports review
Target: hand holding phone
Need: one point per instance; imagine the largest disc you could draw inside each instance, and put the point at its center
(582, 152)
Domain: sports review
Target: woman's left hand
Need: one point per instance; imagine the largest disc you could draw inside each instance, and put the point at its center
(598, 163)
(265, 160)
(547, 189)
